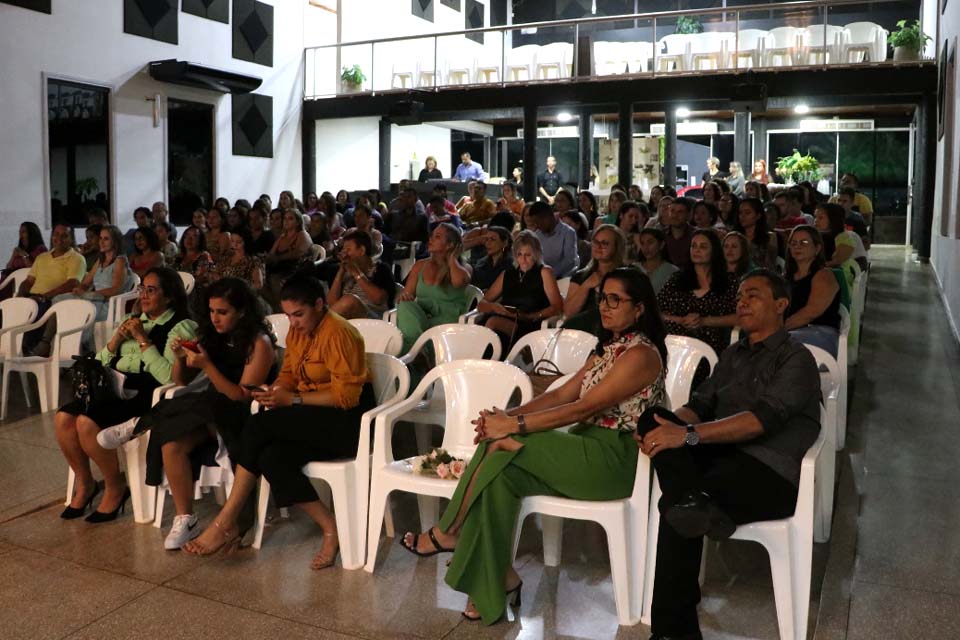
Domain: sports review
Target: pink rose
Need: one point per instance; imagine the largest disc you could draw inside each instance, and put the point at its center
(443, 470)
(457, 467)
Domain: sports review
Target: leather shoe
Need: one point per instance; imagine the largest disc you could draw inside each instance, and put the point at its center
(695, 515)
(686, 636)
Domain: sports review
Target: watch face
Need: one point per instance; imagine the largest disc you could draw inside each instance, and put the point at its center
(692, 438)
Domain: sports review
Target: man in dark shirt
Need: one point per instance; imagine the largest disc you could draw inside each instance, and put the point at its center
(679, 231)
(549, 182)
(732, 454)
(406, 224)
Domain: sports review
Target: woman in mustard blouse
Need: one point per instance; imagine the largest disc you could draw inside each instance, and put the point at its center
(314, 413)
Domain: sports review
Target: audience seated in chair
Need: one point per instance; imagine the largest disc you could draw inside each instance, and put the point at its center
(732, 454)
(557, 240)
(521, 454)
(678, 230)
(813, 316)
(498, 258)
(752, 223)
(830, 221)
(288, 253)
(523, 295)
(652, 246)
(141, 350)
(609, 252)
(362, 288)
(29, 246)
(323, 381)
(435, 288)
(146, 252)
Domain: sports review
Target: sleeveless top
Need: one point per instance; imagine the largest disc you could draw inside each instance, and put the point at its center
(524, 290)
(800, 295)
(439, 300)
(624, 416)
(103, 278)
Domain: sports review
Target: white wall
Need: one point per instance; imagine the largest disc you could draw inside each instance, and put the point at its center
(348, 154)
(945, 250)
(84, 41)
(412, 144)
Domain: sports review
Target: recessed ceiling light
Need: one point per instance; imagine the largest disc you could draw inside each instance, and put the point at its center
(801, 109)
(564, 116)
(683, 112)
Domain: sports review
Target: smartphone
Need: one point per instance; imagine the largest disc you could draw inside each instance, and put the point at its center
(510, 309)
(190, 344)
(252, 387)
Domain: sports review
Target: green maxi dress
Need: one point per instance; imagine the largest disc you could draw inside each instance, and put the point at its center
(435, 304)
(595, 460)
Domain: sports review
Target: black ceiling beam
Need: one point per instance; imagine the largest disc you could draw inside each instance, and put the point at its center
(860, 85)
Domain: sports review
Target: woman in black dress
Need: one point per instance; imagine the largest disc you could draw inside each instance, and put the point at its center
(429, 171)
(523, 295)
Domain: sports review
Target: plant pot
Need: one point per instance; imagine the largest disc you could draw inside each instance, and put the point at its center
(350, 87)
(905, 54)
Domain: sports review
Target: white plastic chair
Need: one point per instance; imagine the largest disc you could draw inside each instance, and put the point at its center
(472, 296)
(189, 282)
(281, 327)
(710, 47)
(15, 312)
(783, 43)
(843, 363)
(566, 348)
(468, 386)
(683, 357)
(818, 50)
(789, 543)
(116, 309)
(349, 479)
(406, 264)
(639, 55)
(73, 317)
(379, 336)
(827, 462)
(750, 47)
(867, 41)
(564, 285)
(520, 62)
(610, 58)
(16, 279)
(677, 54)
(317, 253)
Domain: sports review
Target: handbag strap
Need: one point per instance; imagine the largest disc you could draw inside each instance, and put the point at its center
(544, 365)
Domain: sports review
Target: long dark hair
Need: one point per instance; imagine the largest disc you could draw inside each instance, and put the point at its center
(250, 325)
(818, 260)
(718, 266)
(201, 240)
(761, 235)
(34, 237)
(172, 287)
(650, 323)
(836, 215)
(150, 236)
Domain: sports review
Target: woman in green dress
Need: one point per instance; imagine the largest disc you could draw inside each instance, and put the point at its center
(520, 453)
(435, 292)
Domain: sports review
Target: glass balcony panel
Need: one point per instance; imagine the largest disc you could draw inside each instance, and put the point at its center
(357, 58)
(621, 47)
(546, 53)
(405, 64)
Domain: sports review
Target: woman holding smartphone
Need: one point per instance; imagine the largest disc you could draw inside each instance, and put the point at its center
(235, 352)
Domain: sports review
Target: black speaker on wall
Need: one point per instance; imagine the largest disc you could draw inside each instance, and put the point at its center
(252, 125)
(253, 32)
(43, 6)
(154, 19)
(218, 10)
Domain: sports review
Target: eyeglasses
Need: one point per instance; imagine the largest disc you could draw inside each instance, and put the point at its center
(612, 300)
(150, 291)
(603, 244)
(800, 242)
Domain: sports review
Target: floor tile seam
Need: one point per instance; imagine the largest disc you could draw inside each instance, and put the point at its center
(95, 567)
(911, 476)
(912, 587)
(153, 588)
(31, 511)
(8, 438)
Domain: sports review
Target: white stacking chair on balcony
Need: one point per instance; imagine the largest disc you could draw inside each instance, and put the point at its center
(783, 44)
(281, 327)
(789, 543)
(15, 279)
(820, 51)
(865, 41)
(710, 47)
(683, 357)
(567, 349)
(827, 463)
(673, 52)
(520, 63)
(468, 387)
(554, 58)
(610, 58)
(73, 317)
(189, 282)
(15, 312)
(639, 56)
(379, 336)
(349, 479)
(750, 46)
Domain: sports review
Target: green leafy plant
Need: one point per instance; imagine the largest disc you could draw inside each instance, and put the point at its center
(908, 36)
(353, 75)
(688, 25)
(85, 187)
(798, 168)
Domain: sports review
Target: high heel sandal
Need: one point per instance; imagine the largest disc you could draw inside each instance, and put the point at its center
(230, 542)
(327, 562)
(513, 598)
(99, 516)
(72, 513)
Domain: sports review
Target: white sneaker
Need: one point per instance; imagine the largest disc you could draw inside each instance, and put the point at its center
(115, 437)
(184, 530)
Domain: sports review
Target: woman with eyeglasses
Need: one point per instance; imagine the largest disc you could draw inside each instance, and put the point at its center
(700, 301)
(142, 351)
(813, 316)
(608, 252)
(520, 453)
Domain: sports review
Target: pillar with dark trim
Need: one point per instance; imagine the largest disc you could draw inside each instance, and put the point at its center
(585, 130)
(530, 152)
(308, 151)
(385, 143)
(742, 122)
(670, 148)
(625, 147)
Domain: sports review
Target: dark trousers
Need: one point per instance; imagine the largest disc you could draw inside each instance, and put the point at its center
(743, 487)
(279, 442)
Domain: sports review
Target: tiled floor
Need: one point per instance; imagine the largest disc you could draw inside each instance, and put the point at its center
(889, 571)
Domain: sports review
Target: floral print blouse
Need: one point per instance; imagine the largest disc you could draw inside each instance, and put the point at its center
(624, 416)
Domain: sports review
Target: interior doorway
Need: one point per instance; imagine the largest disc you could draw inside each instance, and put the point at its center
(189, 158)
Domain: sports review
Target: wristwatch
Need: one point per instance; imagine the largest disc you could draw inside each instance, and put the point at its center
(692, 438)
(297, 400)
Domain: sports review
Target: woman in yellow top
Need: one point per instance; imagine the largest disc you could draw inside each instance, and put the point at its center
(316, 403)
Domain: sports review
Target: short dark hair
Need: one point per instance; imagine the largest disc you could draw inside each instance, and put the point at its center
(774, 280)
(687, 203)
(540, 209)
(303, 289)
(836, 215)
(172, 286)
(144, 211)
(361, 239)
(848, 191)
(153, 242)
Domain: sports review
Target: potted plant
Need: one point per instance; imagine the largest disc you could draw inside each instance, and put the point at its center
(688, 25)
(797, 168)
(908, 41)
(85, 187)
(352, 79)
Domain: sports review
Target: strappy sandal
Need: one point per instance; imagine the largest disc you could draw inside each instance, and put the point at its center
(437, 547)
(231, 542)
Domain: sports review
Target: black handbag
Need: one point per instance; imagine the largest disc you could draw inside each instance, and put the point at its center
(92, 382)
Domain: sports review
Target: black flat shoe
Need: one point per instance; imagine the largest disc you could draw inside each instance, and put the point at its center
(686, 636)
(696, 515)
(437, 548)
(99, 516)
(72, 513)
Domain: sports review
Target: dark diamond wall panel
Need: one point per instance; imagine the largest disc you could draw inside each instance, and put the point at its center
(473, 19)
(42, 6)
(422, 9)
(218, 10)
(253, 32)
(453, 4)
(573, 9)
(154, 19)
(252, 125)
(498, 13)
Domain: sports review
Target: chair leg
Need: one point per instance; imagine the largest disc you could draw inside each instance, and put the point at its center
(388, 526)
(161, 500)
(518, 529)
(424, 435)
(4, 387)
(351, 553)
(780, 569)
(25, 386)
(620, 562)
(552, 527)
(43, 389)
(650, 568)
(429, 511)
(375, 517)
(71, 480)
(263, 501)
(142, 496)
